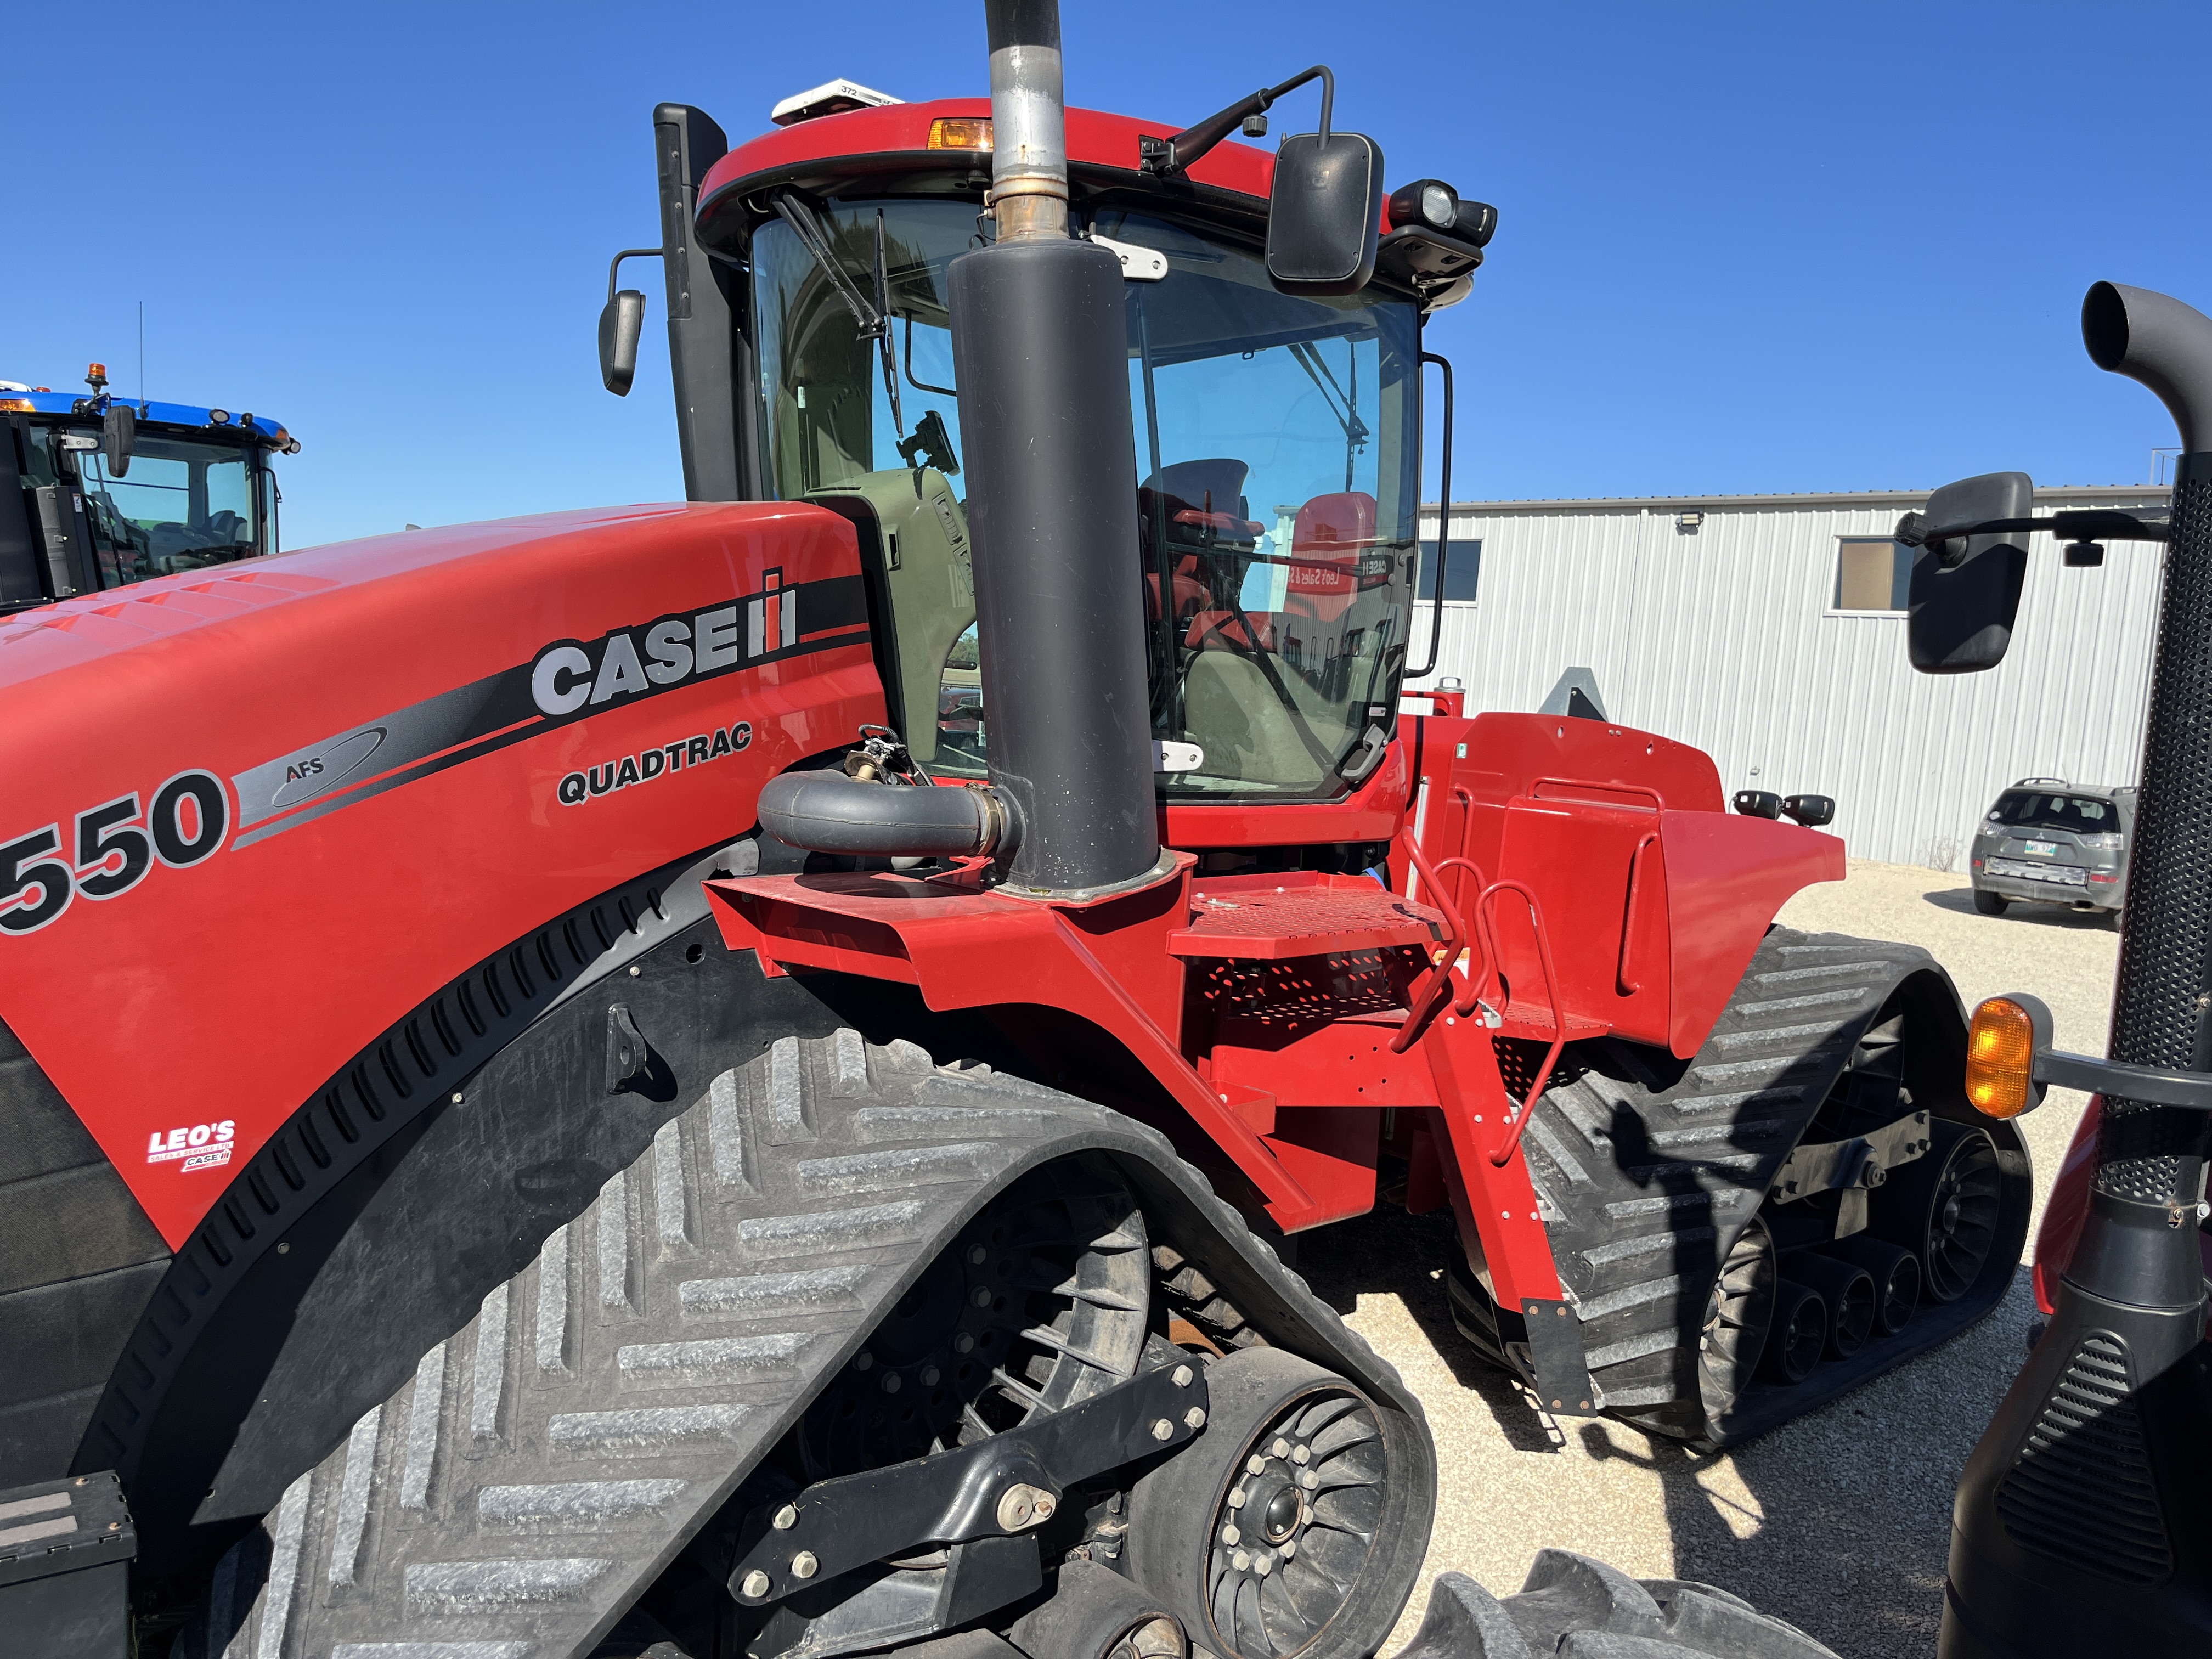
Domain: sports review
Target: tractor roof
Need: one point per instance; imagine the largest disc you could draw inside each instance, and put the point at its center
(832, 152)
(156, 413)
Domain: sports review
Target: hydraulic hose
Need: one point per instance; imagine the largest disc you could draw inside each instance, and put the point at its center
(829, 813)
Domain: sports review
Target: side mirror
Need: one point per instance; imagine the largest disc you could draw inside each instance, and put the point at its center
(1963, 597)
(620, 324)
(1811, 811)
(1324, 213)
(119, 433)
(1759, 803)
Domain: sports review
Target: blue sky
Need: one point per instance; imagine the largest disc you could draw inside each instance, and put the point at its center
(1741, 248)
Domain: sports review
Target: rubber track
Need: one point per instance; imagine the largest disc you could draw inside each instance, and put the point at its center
(551, 1458)
(1644, 1188)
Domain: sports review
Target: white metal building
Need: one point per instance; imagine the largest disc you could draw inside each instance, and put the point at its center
(1769, 630)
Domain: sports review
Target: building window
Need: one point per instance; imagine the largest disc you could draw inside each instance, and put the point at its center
(1463, 569)
(1872, 573)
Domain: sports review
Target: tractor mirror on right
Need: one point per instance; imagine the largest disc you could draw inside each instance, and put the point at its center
(1324, 213)
(1965, 589)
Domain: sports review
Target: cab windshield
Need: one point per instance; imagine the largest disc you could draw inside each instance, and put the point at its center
(1275, 485)
(180, 506)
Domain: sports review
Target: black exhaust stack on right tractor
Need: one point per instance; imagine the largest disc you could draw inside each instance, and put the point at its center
(2081, 1522)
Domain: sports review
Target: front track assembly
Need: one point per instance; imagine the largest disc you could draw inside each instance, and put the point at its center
(1807, 1203)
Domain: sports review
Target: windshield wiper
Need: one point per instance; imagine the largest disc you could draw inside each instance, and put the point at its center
(874, 320)
(1355, 432)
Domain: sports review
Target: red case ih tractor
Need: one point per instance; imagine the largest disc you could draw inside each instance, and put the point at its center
(482, 1196)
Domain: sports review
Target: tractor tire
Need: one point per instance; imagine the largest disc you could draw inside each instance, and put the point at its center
(1991, 904)
(1573, 1608)
(842, 1258)
(1657, 1180)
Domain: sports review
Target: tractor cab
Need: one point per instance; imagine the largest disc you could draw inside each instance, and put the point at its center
(98, 492)
(1276, 434)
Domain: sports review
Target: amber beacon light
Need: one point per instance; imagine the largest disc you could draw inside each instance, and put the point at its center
(2002, 1044)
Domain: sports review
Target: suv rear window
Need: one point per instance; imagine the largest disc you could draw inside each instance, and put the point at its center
(2033, 810)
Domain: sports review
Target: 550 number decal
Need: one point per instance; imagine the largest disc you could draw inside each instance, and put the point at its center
(110, 849)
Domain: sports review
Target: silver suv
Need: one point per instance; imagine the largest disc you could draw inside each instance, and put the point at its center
(2053, 842)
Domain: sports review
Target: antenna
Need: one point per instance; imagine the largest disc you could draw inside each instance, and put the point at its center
(141, 354)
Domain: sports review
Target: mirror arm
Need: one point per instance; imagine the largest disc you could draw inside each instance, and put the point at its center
(1160, 157)
(1913, 530)
(627, 253)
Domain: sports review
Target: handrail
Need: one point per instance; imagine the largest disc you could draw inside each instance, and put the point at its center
(1517, 1120)
(1658, 800)
(1621, 982)
(1421, 1001)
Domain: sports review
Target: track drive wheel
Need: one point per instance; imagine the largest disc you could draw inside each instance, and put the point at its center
(1944, 1207)
(1738, 1313)
(1288, 1527)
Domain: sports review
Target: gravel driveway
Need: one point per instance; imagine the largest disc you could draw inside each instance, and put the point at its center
(1840, 1522)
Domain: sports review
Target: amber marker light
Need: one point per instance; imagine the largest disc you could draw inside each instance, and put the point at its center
(2001, 1046)
(960, 132)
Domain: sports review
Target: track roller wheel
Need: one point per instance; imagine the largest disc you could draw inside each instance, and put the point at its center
(1943, 1207)
(1574, 1608)
(1095, 1613)
(1849, 1292)
(1738, 1314)
(1800, 1335)
(1896, 1274)
(1288, 1527)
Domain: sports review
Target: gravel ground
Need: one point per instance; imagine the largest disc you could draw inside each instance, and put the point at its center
(1840, 1522)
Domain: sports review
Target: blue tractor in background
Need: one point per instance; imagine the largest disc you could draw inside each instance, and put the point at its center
(98, 492)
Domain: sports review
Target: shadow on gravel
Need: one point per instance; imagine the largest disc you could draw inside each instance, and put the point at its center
(1960, 901)
(1388, 1252)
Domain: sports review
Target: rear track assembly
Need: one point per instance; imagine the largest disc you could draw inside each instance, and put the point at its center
(1826, 1100)
(623, 1396)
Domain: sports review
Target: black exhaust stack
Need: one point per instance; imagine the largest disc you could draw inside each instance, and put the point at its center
(1041, 351)
(2081, 1524)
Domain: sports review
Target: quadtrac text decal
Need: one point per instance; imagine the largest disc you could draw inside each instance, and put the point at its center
(644, 767)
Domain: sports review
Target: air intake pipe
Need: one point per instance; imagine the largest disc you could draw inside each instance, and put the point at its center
(830, 812)
(2158, 340)
(1040, 348)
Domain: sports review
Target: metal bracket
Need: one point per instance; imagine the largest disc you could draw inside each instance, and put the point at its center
(1555, 1349)
(2150, 1086)
(1000, 1486)
(1863, 1161)
(628, 1057)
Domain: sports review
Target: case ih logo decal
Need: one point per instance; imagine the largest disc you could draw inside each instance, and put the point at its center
(111, 848)
(567, 678)
(196, 1146)
(580, 787)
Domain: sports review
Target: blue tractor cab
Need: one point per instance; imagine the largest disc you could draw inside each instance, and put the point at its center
(98, 492)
